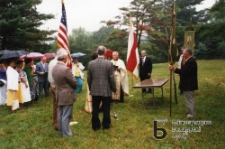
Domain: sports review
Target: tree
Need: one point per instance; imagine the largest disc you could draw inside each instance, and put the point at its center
(19, 22)
(80, 40)
(211, 35)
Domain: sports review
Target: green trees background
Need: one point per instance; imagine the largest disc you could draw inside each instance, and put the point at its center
(19, 22)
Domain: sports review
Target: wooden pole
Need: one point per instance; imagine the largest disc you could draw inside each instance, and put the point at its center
(171, 80)
(175, 88)
(132, 81)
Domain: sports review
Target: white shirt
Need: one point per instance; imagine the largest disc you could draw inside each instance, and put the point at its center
(12, 78)
(50, 67)
(143, 59)
(180, 61)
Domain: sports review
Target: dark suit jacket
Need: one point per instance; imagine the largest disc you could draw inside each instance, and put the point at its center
(40, 68)
(146, 68)
(65, 84)
(189, 75)
(101, 78)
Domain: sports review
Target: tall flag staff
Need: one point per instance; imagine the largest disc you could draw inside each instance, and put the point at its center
(172, 52)
(62, 38)
(132, 52)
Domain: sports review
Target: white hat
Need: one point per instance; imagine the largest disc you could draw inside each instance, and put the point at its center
(61, 53)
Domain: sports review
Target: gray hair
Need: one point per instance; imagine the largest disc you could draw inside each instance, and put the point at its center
(115, 52)
(101, 50)
(61, 54)
(188, 51)
(143, 51)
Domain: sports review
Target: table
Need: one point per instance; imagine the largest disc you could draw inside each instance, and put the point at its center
(151, 83)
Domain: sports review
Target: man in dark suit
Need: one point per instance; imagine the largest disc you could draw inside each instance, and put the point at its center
(101, 84)
(189, 80)
(145, 68)
(65, 92)
(42, 73)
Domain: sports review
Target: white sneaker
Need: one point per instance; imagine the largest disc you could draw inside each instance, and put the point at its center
(73, 123)
(190, 116)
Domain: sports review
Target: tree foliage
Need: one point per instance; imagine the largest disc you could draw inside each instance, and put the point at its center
(19, 22)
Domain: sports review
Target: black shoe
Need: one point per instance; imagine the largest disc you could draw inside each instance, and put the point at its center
(106, 127)
(96, 129)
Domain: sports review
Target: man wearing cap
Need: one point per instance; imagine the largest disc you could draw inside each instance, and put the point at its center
(65, 92)
(189, 80)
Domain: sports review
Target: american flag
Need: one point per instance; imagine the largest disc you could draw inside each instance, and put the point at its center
(62, 39)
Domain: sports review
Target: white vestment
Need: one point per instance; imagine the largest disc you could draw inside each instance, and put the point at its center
(122, 74)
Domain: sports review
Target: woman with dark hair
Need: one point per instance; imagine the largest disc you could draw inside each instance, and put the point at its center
(3, 83)
(29, 69)
(12, 82)
(24, 90)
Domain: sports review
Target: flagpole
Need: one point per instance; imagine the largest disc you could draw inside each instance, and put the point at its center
(132, 81)
(170, 57)
(175, 88)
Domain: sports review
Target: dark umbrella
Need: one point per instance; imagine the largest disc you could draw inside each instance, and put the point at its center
(7, 54)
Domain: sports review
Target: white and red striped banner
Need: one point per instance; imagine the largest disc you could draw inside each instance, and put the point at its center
(132, 52)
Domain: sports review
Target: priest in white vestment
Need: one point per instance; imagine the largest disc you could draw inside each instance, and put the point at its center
(121, 78)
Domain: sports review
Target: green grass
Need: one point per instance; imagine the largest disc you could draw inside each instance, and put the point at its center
(31, 126)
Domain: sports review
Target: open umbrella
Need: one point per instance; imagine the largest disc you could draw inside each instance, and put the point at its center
(33, 55)
(78, 55)
(49, 55)
(7, 54)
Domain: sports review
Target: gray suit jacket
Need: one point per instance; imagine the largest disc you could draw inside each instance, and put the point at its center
(101, 78)
(65, 84)
(40, 68)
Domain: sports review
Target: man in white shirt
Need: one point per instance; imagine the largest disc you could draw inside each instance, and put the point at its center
(52, 88)
(121, 78)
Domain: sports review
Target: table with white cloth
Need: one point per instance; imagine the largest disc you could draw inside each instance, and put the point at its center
(151, 83)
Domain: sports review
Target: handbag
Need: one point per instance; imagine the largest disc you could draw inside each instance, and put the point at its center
(15, 104)
(1, 83)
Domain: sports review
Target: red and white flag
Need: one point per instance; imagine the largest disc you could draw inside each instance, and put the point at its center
(132, 52)
(62, 38)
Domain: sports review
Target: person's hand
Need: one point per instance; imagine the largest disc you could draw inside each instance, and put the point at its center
(26, 85)
(149, 74)
(116, 93)
(171, 67)
(42, 73)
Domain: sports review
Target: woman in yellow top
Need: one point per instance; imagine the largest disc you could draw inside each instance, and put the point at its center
(77, 69)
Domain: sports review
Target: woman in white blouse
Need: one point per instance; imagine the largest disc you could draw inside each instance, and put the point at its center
(12, 82)
(24, 90)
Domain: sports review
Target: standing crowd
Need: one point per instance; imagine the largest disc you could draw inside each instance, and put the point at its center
(107, 81)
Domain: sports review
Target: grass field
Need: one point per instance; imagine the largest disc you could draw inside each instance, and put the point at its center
(31, 126)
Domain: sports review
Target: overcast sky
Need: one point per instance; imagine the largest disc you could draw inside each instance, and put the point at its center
(87, 13)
